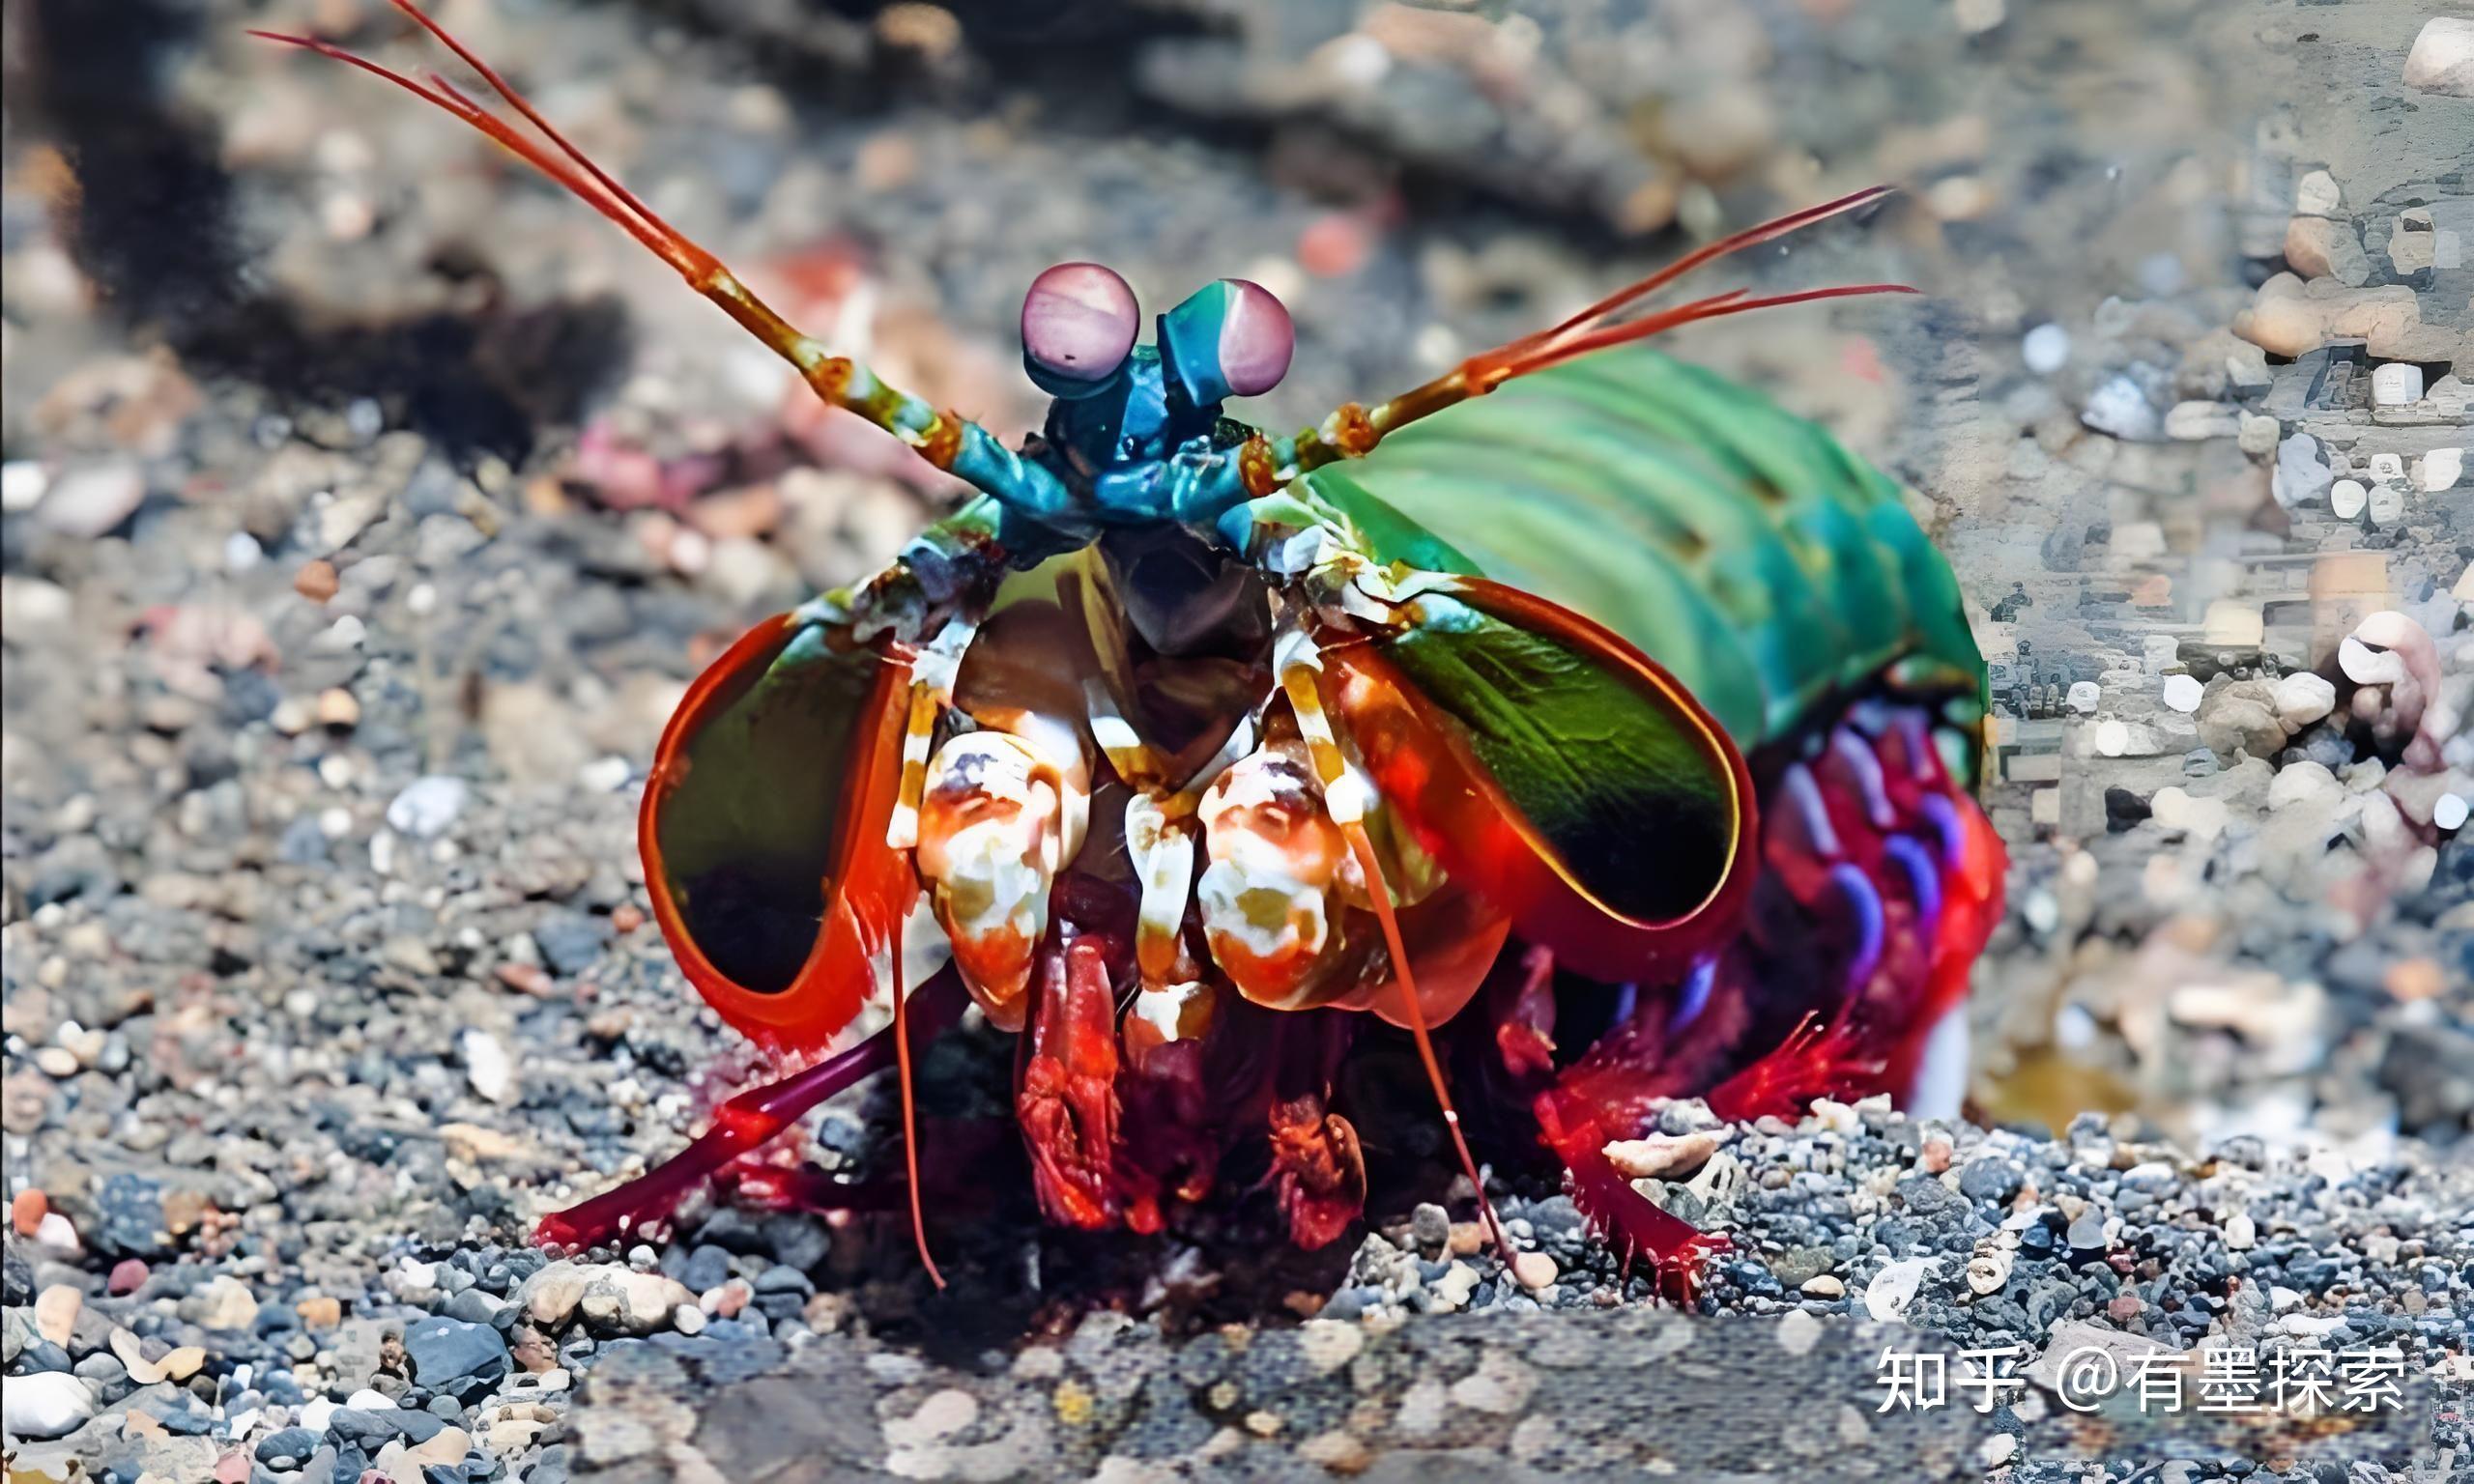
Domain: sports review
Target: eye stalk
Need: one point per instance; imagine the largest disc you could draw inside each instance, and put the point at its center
(1232, 339)
(1078, 323)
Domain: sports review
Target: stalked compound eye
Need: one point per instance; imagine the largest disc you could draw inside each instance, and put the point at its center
(1256, 339)
(1232, 339)
(1078, 323)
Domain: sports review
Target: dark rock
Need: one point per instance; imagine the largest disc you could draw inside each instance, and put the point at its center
(1990, 1180)
(288, 1449)
(128, 1216)
(572, 942)
(445, 1350)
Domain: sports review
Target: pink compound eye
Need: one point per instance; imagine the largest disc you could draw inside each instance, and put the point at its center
(1256, 339)
(1079, 322)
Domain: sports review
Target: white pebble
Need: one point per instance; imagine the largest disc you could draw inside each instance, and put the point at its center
(241, 552)
(22, 483)
(2442, 58)
(427, 806)
(2346, 497)
(2046, 348)
(2302, 697)
(605, 774)
(487, 1067)
(2440, 468)
(2449, 811)
(1978, 16)
(1892, 1289)
(2120, 408)
(2396, 383)
(2317, 195)
(2182, 693)
(48, 1403)
(2084, 695)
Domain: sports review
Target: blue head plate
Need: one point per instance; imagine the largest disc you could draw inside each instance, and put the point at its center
(1135, 429)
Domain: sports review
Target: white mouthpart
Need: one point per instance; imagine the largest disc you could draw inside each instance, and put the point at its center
(1162, 1006)
(1162, 856)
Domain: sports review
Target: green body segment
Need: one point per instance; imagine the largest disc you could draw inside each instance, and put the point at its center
(1740, 546)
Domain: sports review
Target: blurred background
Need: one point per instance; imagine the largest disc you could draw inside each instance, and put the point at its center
(368, 502)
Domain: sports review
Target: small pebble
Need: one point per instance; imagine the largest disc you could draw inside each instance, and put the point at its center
(1533, 1271)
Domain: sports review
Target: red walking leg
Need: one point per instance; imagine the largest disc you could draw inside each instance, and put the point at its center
(753, 1118)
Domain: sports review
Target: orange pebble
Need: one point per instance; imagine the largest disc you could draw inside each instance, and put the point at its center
(627, 917)
(315, 581)
(27, 1210)
(1333, 245)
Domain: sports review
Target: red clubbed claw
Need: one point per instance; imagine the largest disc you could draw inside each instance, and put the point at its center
(1678, 1272)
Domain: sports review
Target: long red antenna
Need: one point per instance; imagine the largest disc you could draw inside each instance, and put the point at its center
(1413, 1012)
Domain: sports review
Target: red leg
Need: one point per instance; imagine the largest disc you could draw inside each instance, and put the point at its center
(1628, 1219)
(1526, 1033)
(1170, 1128)
(751, 1119)
(1319, 1169)
(1066, 1094)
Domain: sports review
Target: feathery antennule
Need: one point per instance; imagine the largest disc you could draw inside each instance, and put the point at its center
(523, 105)
(1595, 328)
(946, 439)
(1353, 430)
(1733, 301)
(587, 184)
(1709, 252)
